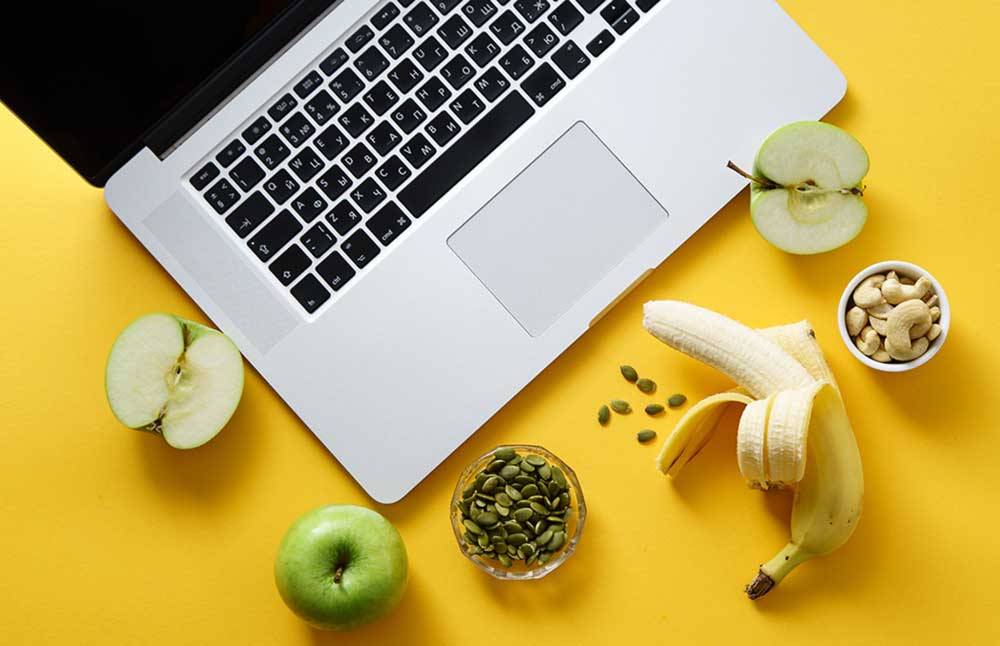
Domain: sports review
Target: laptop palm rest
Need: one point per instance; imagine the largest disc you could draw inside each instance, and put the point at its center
(557, 229)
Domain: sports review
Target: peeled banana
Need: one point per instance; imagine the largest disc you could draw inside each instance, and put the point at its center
(793, 432)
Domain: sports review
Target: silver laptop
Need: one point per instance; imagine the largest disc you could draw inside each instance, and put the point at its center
(402, 211)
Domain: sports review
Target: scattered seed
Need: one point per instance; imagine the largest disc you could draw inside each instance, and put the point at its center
(629, 373)
(603, 415)
(654, 409)
(621, 406)
(646, 385)
(676, 400)
(642, 436)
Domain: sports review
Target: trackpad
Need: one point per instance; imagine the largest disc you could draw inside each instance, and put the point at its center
(557, 229)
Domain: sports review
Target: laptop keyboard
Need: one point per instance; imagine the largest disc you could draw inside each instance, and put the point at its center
(338, 167)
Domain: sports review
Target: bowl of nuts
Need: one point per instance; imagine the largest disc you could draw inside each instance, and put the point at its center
(894, 316)
(518, 512)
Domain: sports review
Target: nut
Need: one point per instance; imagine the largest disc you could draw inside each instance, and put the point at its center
(909, 320)
(932, 300)
(868, 294)
(868, 341)
(892, 275)
(934, 332)
(880, 311)
(881, 355)
(856, 320)
(916, 349)
(880, 325)
(895, 292)
(905, 280)
(935, 313)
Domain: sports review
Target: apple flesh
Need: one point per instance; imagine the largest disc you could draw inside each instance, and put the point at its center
(341, 566)
(806, 191)
(175, 378)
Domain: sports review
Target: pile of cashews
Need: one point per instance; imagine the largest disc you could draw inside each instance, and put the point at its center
(893, 317)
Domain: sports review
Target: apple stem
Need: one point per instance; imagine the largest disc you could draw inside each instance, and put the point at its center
(802, 188)
(338, 574)
(763, 182)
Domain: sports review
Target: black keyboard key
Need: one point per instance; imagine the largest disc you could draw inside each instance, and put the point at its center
(290, 264)
(455, 31)
(465, 154)
(479, 11)
(346, 85)
(600, 43)
(256, 130)
(309, 204)
(543, 84)
(381, 97)
(570, 59)
(248, 216)
(297, 129)
(396, 41)
(356, 120)
(565, 17)
(458, 71)
(230, 153)
(222, 196)
(385, 16)
(247, 173)
(393, 173)
(283, 107)
(442, 128)
(646, 5)
(384, 138)
(275, 235)
(306, 164)
(335, 271)
(532, 10)
(310, 293)
(408, 116)
(417, 150)
(306, 86)
(334, 61)
(614, 10)
(540, 40)
(482, 49)
(359, 160)
(516, 62)
(388, 223)
(492, 84)
(205, 174)
(625, 23)
(368, 194)
(322, 107)
(272, 151)
(334, 182)
(331, 142)
(445, 6)
(360, 248)
(420, 19)
(507, 27)
(405, 76)
(318, 239)
(359, 39)
(371, 63)
(590, 6)
(467, 106)
(281, 186)
(433, 94)
(405, 3)
(344, 217)
(430, 53)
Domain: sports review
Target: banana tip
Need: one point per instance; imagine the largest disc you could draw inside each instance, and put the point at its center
(760, 586)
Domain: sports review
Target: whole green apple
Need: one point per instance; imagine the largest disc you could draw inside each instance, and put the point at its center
(341, 566)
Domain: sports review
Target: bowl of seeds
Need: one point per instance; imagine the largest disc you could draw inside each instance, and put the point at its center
(518, 512)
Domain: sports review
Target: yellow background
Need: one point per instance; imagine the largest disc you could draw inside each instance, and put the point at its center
(107, 536)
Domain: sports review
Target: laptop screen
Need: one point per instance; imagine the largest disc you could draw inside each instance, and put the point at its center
(91, 77)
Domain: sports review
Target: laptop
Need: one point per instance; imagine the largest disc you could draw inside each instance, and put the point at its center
(402, 211)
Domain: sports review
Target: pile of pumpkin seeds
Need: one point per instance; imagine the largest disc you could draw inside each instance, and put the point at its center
(622, 407)
(516, 509)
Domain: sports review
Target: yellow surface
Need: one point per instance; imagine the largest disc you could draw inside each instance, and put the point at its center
(110, 537)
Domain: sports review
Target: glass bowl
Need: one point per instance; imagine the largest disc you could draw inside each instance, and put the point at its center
(519, 570)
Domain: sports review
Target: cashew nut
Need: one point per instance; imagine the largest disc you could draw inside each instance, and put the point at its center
(932, 301)
(934, 332)
(868, 294)
(895, 292)
(880, 311)
(868, 341)
(856, 320)
(881, 355)
(892, 275)
(905, 280)
(880, 325)
(909, 320)
(935, 313)
(916, 349)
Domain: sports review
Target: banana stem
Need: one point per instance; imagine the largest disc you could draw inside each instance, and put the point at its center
(772, 572)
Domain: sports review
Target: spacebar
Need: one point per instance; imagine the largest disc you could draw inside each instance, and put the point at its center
(465, 154)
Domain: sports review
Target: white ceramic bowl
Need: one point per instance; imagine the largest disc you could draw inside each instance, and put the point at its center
(903, 269)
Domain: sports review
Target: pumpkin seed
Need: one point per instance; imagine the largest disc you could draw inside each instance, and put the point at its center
(621, 406)
(531, 559)
(529, 490)
(629, 373)
(543, 557)
(517, 539)
(524, 479)
(483, 540)
(646, 436)
(472, 527)
(495, 466)
(557, 541)
(504, 499)
(509, 471)
(545, 537)
(475, 549)
(528, 549)
(535, 460)
(553, 489)
(646, 385)
(469, 537)
(676, 400)
(487, 519)
(514, 494)
(603, 415)
(539, 527)
(512, 526)
(505, 560)
(506, 454)
(539, 509)
(491, 484)
(527, 467)
(654, 409)
(558, 477)
(522, 515)
(511, 551)
(545, 473)
(502, 510)
(469, 491)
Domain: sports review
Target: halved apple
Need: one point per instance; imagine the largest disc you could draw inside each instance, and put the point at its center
(175, 378)
(806, 190)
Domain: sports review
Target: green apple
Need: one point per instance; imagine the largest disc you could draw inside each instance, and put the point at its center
(174, 378)
(341, 566)
(806, 191)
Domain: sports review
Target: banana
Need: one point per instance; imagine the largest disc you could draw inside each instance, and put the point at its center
(796, 433)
